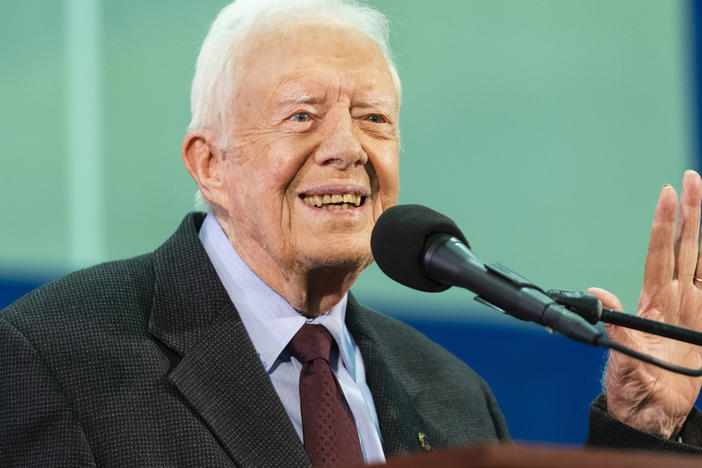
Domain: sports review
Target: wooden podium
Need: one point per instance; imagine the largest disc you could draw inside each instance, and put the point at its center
(528, 456)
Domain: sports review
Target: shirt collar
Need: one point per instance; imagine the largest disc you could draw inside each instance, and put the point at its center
(270, 320)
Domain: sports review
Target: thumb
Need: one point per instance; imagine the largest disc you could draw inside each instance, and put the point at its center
(609, 301)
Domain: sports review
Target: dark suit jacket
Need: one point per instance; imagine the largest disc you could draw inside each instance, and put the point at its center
(145, 362)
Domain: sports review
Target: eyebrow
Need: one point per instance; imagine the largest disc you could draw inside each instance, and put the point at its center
(381, 102)
(298, 99)
(366, 101)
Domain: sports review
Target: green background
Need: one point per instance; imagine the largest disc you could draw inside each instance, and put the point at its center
(545, 128)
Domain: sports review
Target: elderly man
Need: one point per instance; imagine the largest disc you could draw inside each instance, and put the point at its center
(237, 343)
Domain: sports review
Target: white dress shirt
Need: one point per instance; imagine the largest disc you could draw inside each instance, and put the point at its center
(271, 322)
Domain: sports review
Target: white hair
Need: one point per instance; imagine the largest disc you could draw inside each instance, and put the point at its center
(212, 95)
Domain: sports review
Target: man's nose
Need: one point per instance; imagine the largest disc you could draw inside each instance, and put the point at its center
(340, 146)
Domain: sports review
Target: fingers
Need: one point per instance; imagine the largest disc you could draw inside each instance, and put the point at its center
(660, 260)
(607, 299)
(687, 230)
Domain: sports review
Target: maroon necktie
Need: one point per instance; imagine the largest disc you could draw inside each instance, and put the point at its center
(328, 429)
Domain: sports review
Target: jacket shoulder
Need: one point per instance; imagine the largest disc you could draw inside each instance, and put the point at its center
(86, 294)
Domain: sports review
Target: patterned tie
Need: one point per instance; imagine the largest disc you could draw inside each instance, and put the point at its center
(328, 429)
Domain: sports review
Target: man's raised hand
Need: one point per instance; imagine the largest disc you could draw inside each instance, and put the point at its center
(645, 397)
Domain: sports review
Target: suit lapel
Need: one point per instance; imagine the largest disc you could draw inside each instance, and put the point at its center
(219, 374)
(236, 399)
(399, 422)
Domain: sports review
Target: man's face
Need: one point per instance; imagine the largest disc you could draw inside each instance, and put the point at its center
(312, 159)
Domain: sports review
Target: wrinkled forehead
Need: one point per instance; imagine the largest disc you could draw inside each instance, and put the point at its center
(298, 46)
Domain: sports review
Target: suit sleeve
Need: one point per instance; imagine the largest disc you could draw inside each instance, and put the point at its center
(607, 432)
(38, 425)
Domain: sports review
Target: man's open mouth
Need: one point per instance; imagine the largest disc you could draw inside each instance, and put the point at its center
(337, 201)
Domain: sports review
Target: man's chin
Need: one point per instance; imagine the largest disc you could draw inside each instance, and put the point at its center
(335, 258)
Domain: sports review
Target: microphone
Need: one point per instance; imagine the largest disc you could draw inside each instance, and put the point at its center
(423, 249)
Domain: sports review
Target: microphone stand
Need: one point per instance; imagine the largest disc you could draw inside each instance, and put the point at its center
(590, 308)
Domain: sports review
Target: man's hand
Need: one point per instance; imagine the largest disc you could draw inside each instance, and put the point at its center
(645, 397)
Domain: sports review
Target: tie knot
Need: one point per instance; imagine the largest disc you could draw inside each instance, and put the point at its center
(311, 342)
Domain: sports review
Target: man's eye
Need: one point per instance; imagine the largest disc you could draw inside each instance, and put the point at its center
(300, 117)
(375, 118)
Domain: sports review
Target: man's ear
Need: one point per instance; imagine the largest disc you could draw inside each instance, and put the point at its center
(201, 158)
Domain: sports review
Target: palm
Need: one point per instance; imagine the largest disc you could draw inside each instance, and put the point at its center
(641, 395)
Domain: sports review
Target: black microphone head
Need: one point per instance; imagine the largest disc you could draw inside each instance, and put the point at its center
(399, 241)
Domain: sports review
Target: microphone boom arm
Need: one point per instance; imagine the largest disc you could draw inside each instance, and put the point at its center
(590, 308)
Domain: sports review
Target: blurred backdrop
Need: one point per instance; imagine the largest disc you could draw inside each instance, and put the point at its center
(544, 128)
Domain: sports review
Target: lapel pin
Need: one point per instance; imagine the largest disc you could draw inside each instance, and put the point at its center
(423, 441)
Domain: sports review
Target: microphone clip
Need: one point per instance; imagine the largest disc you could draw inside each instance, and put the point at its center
(585, 305)
(513, 277)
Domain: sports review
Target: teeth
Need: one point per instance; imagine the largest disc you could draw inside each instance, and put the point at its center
(335, 201)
